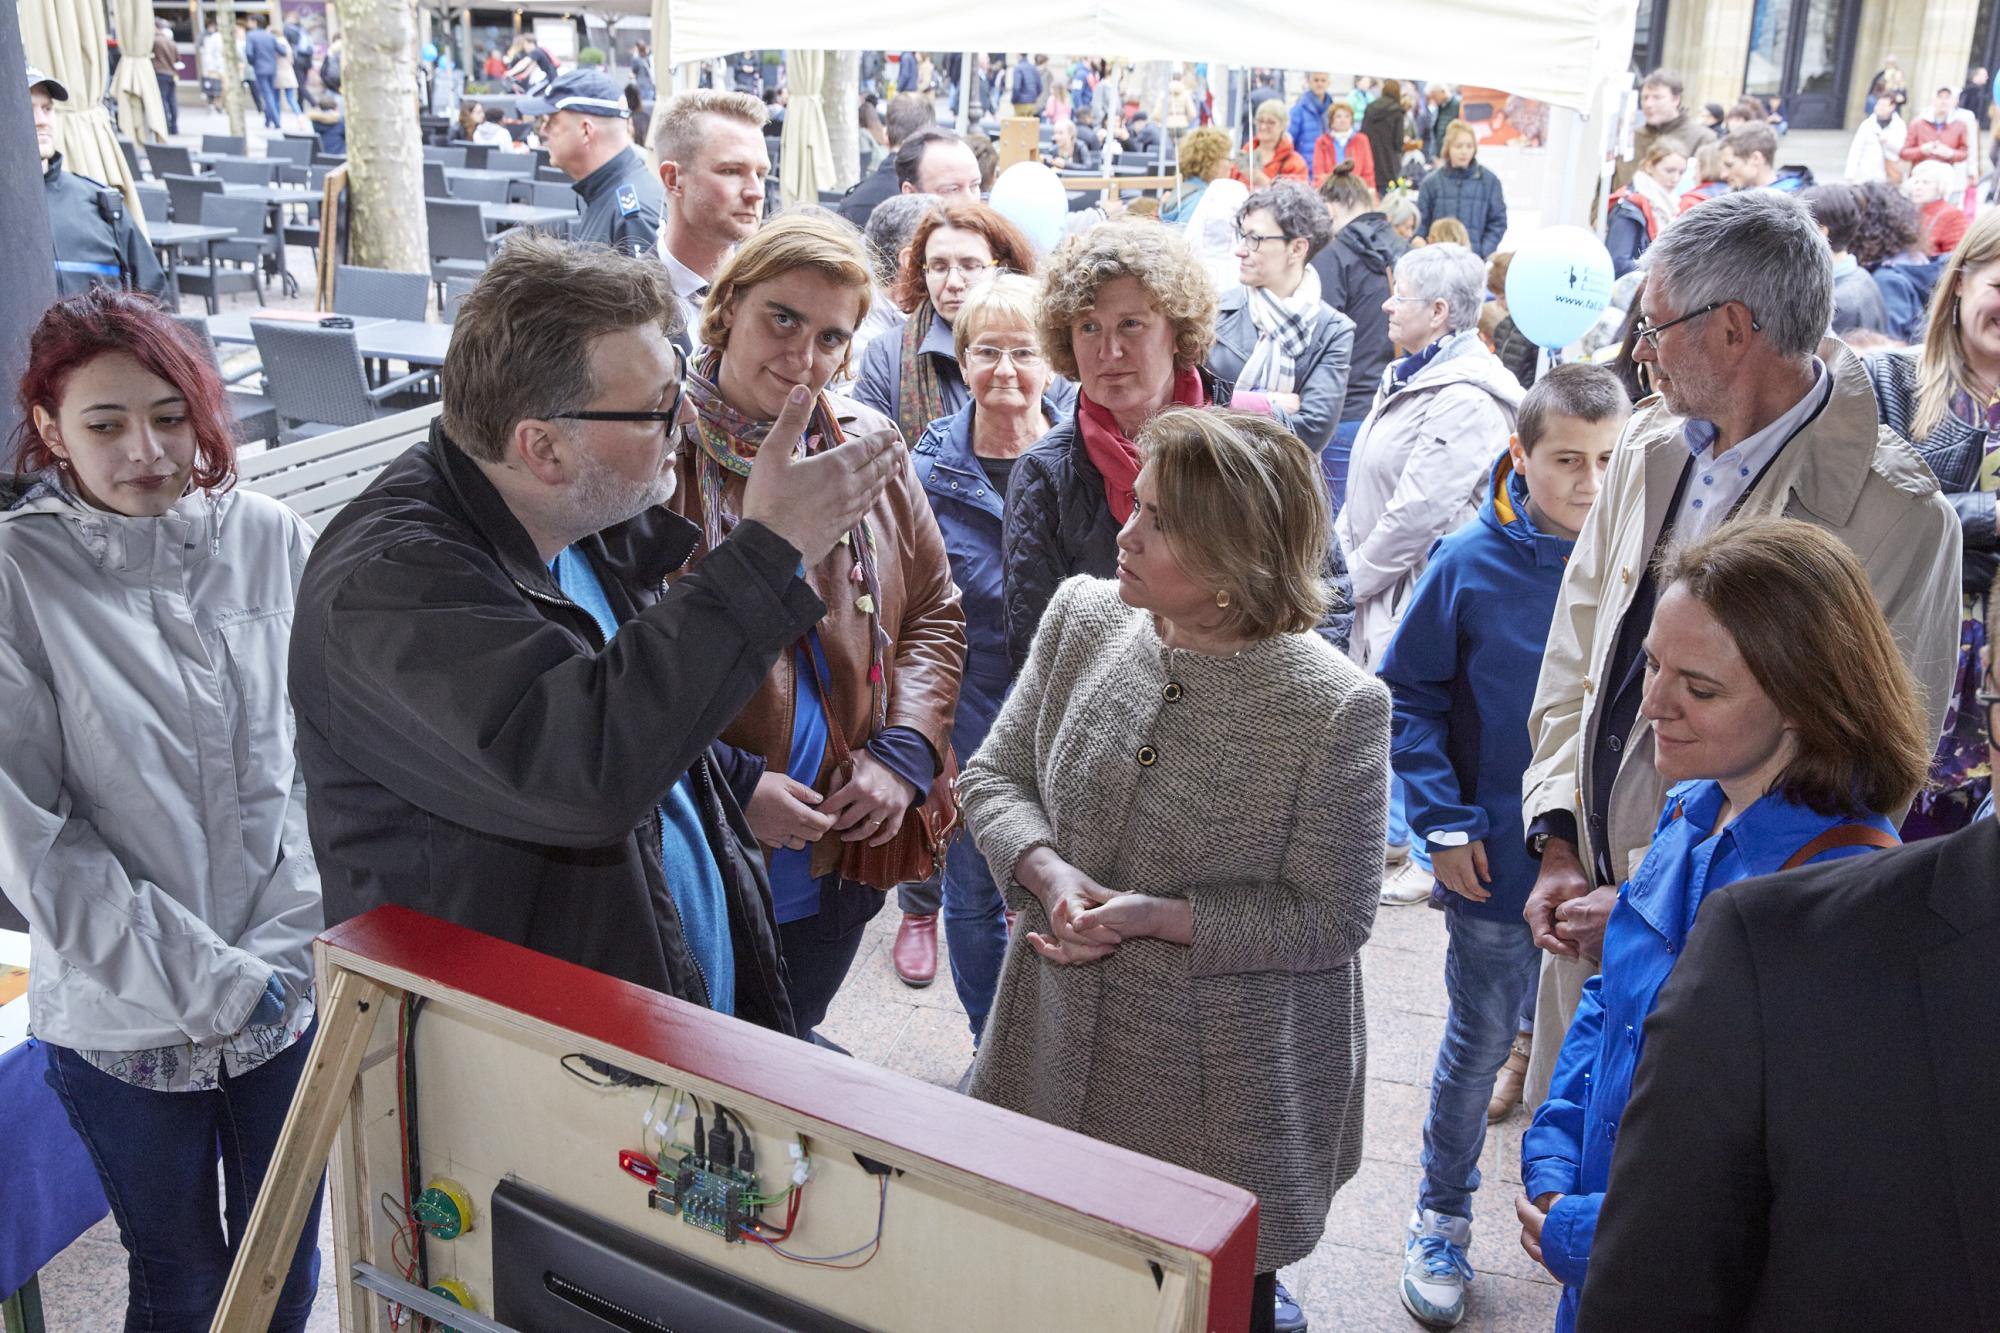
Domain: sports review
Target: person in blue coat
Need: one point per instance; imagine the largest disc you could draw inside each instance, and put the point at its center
(1782, 710)
(1463, 189)
(1309, 116)
(964, 462)
(1462, 672)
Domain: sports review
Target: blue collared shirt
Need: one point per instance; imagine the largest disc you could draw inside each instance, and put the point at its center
(1718, 483)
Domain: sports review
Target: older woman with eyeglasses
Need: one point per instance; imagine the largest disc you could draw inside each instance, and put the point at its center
(915, 379)
(1284, 348)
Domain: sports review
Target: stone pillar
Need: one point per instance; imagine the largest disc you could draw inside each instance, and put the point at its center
(1932, 39)
(1707, 43)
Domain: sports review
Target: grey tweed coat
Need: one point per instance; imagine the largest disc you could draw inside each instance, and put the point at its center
(1256, 788)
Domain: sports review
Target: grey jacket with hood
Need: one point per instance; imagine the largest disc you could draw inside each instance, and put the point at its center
(152, 814)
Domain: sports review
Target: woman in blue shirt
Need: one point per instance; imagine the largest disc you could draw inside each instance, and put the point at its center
(1782, 709)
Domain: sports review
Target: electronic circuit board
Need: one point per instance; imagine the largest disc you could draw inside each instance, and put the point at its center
(708, 1195)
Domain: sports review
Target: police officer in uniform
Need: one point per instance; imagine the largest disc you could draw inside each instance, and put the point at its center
(96, 242)
(588, 132)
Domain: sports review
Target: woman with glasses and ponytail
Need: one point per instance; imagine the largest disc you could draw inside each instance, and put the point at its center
(879, 673)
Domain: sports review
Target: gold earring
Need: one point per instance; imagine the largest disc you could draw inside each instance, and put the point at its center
(1222, 599)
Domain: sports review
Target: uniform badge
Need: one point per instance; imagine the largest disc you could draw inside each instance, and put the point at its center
(628, 200)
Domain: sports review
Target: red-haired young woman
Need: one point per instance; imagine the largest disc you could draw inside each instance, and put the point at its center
(152, 818)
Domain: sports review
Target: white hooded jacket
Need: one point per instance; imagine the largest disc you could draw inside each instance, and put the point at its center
(152, 813)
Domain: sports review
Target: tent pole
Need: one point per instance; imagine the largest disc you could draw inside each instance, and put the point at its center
(966, 74)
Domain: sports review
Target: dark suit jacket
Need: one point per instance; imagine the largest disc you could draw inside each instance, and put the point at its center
(1814, 1134)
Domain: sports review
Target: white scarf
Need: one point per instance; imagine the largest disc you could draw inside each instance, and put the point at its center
(1285, 330)
(1665, 206)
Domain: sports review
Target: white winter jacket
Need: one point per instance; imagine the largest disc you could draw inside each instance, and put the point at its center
(1419, 470)
(152, 816)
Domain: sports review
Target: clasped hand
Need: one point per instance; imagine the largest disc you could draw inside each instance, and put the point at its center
(1087, 921)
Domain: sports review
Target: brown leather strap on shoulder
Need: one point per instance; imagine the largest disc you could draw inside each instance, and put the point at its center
(1841, 835)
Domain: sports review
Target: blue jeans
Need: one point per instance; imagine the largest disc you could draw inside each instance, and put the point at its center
(1333, 460)
(156, 1152)
(975, 921)
(267, 98)
(1490, 970)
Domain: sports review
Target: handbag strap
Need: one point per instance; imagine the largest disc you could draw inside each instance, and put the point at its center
(835, 736)
(1841, 835)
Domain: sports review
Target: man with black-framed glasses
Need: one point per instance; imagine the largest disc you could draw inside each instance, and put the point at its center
(506, 717)
(1756, 412)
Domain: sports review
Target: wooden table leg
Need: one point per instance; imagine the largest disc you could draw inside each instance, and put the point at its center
(347, 1021)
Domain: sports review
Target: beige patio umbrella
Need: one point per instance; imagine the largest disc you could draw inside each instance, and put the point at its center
(139, 107)
(805, 156)
(65, 39)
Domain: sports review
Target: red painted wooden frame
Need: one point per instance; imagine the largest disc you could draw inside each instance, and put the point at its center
(1177, 1207)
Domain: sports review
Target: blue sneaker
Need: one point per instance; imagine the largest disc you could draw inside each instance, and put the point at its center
(1435, 1270)
(1290, 1318)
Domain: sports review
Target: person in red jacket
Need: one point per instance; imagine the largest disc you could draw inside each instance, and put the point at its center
(1940, 136)
(1932, 189)
(1272, 157)
(1343, 143)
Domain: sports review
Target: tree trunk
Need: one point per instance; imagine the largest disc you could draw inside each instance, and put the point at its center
(385, 173)
(234, 101)
(840, 99)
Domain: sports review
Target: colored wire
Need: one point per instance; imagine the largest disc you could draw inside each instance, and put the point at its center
(871, 1248)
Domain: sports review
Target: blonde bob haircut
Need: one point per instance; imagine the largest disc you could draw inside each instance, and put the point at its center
(1942, 369)
(819, 241)
(999, 298)
(1455, 131)
(1800, 610)
(1156, 256)
(1244, 509)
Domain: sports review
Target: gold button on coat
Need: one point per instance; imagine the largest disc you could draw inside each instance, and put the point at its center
(1147, 756)
(1173, 692)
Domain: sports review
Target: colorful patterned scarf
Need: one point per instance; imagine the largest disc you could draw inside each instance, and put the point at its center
(725, 442)
(919, 396)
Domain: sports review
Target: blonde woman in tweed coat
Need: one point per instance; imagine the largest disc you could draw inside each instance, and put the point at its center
(1183, 797)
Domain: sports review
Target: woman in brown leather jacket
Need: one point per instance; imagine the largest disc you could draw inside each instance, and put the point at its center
(882, 665)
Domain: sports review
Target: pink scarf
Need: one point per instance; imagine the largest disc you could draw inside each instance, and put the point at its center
(1116, 457)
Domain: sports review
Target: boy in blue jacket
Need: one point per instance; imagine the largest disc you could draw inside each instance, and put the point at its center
(1462, 670)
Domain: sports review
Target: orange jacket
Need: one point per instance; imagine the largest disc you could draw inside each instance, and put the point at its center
(1358, 152)
(1285, 163)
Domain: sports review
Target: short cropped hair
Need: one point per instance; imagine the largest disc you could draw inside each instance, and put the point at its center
(520, 348)
(1003, 298)
(1011, 250)
(677, 131)
(910, 153)
(1270, 107)
(1157, 256)
(1203, 152)
(821, 242)
(905, 116)
(1578, 390)
(1754, 138)
(1455, 131)
(1297, 211)
(1758, 247)
(1663, 78)
(1799, 608)
(891, 225)
(1244, 508)
(1446, 272)
(1837, 208)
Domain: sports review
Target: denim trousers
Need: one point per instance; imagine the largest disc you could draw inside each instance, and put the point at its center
(816, 963)
(267, 99)
(975, 919)
(155, 1153)
(1490, 968)
(1334, 458)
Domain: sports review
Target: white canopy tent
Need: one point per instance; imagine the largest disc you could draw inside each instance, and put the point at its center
(1561, 54)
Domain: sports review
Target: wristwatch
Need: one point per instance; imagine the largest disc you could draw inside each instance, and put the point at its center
(1538, 842)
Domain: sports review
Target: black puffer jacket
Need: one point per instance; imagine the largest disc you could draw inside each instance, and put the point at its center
(1058, 525)
(1353, 273)
(473, 751)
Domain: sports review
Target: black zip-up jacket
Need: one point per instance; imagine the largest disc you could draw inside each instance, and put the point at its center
(472, 750)
(1354, 279)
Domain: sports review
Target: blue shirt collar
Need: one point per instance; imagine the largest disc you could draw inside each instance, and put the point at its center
(1699, 435)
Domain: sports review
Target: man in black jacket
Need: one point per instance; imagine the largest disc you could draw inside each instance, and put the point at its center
(1810, 1142)
(904, 117)
(475, 742)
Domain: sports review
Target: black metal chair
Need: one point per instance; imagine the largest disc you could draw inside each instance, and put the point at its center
(480, 191)
(380, 292)
(455, 292)
(185, 193)
(316, 382)
(511, 164)
(155, 204)
(131, 151)
(445, 155)
(242, 254)
(169, 159)
(556, 174)
(256, 418)
(237, 145)
(459, 244)
(247, 173)
(476, 154)
(437, 185)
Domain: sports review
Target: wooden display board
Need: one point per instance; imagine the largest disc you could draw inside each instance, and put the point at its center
(990, 1222)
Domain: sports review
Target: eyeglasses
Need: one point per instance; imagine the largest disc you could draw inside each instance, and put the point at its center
(1253, 240)
(1420, 300)
(981, 357)
(1651, 332)
(664, 416)
(944, 268)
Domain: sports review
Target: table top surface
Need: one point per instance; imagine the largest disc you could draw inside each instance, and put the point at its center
(416, 341)
(273, 194)
(184, 233)
(524, 215)
(481, 174)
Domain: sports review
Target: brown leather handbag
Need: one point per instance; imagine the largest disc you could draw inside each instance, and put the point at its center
(919, 846)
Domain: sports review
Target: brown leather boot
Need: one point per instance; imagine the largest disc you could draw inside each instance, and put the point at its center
(915, 950)
(1507, 1087)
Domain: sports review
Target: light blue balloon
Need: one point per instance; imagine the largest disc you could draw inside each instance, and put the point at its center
(430, 53)
(1558, 285)
(1032, 197)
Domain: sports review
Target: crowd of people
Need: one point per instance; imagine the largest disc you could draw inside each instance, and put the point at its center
(1224, 605)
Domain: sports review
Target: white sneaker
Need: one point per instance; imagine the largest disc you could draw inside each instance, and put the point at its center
(1435, 1270)
(1407, 883)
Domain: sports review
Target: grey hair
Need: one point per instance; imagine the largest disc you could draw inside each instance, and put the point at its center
(1450, 273)
(1759, 247)
(1297, 211)
(891, 227)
